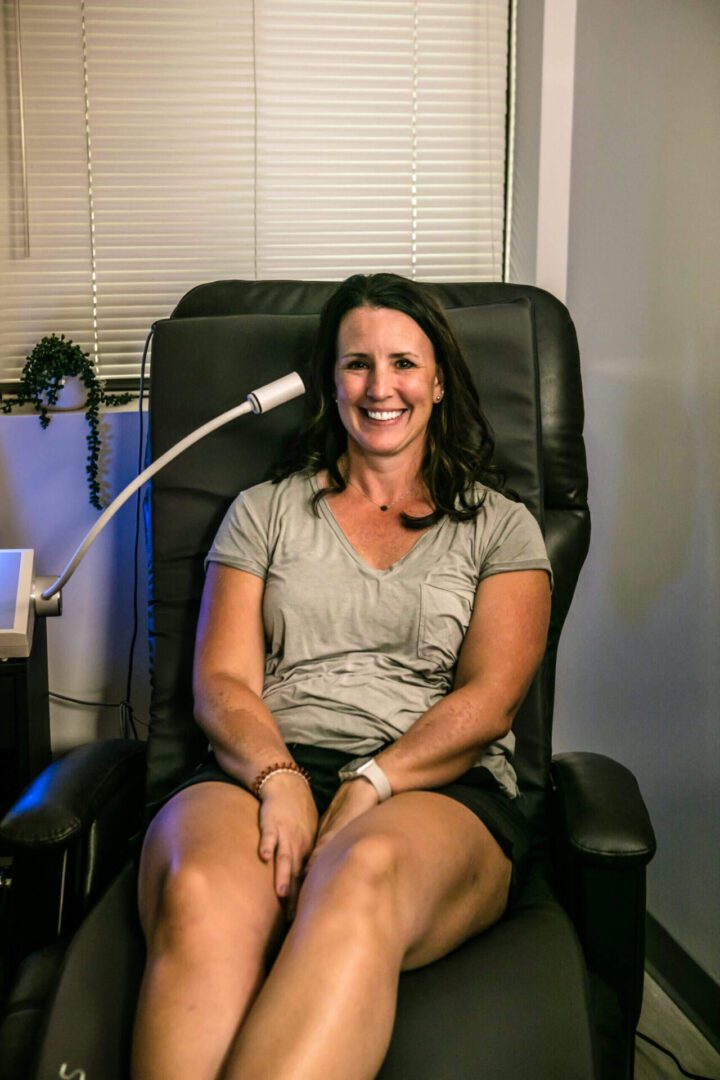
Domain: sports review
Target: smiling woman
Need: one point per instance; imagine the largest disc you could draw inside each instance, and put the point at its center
(387, 384)
(370, 624)
(384, 346)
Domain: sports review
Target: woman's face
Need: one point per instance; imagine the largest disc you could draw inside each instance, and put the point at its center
(387, 380)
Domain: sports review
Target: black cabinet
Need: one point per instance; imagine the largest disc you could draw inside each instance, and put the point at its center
(24, 718)
(30, 881)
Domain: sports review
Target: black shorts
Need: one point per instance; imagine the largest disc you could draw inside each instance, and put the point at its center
(477, 789)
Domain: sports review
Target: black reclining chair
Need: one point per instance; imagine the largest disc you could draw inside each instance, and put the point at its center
(553, 991)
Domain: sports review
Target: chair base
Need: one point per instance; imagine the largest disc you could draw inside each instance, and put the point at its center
(88, 1024)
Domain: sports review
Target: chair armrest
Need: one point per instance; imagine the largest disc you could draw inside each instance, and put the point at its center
(603, 841)
(68, 835)
(601, 812)
(69, 795)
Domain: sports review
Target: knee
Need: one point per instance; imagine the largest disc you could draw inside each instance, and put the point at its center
(355, 874)
(196, 914)
(182, 915)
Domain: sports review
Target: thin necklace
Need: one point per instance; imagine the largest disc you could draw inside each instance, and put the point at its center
(381, 506)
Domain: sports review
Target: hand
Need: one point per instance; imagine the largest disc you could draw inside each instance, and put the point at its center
(352, 798)
(288, 825)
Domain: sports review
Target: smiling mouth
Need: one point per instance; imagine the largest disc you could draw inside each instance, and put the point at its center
(383, 416)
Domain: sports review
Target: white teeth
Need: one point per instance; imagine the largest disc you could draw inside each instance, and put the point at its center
(384, 415)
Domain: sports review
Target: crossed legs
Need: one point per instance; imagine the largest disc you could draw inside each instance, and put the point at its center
(400, 886)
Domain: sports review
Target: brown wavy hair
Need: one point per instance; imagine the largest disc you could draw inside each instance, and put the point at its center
(459, 443)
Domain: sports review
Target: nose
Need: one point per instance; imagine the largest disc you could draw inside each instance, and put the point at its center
(378, 383)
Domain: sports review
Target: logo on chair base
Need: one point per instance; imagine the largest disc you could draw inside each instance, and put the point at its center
(76, 1074)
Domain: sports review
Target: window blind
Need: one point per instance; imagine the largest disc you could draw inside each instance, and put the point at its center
(47, 286)
(174, 143)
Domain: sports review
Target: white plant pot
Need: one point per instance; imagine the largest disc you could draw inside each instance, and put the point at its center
(72, 396)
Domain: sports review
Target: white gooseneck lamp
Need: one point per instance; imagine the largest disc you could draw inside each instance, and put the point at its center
(23, 595)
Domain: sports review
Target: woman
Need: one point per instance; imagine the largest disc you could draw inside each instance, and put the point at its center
(381, 610)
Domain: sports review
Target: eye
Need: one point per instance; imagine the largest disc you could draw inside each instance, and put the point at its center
(355, 363)
(403, 363)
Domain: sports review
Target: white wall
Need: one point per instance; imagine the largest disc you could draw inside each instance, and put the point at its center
(45, 506)
(639, 667)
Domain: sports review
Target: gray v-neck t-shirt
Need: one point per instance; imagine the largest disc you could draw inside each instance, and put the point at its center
(354, 654)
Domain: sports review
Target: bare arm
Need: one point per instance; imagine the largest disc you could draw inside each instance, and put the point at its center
(228, 675)
(502, 650)
(227, 681)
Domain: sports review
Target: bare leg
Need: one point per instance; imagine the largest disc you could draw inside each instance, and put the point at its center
(329, 1000)
(211, 917)
(400, 886)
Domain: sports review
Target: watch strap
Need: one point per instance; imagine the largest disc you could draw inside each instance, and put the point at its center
(372, 772)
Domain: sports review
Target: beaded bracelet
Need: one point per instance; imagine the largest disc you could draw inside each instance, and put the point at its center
(279, 766)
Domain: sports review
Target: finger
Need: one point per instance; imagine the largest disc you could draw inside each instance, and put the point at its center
(268, 843)
(283, 872)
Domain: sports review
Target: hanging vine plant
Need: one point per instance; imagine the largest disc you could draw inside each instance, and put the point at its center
(52, 361)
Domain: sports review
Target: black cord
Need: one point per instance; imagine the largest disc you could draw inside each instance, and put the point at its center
(128, 719)
(664, 1050)
(121, 705)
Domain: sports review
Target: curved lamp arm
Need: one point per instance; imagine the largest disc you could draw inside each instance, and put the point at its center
(259, 401)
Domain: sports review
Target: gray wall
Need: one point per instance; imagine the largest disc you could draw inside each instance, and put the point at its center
(528, 92)
(640, 659)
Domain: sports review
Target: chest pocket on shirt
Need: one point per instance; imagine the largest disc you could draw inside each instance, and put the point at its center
(444, 619)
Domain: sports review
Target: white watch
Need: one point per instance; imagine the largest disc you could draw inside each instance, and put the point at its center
(369, 768)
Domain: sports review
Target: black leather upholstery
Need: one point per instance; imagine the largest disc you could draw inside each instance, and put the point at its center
(73, 801)
(534, 997)
(626, 837)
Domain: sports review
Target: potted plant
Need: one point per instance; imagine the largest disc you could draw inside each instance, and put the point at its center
(49, 366)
